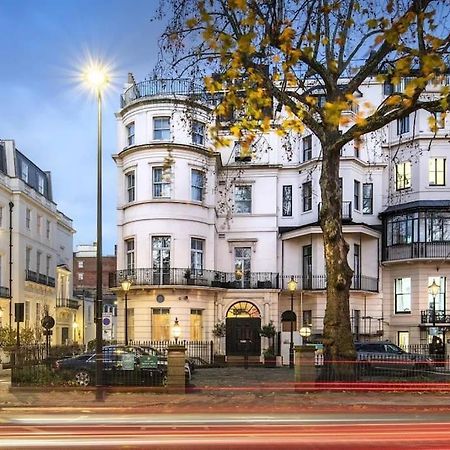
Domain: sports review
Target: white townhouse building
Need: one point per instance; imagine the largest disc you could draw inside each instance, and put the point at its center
(210, 236)
(35, 248)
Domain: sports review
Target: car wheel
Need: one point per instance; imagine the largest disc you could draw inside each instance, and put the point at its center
(82, 378)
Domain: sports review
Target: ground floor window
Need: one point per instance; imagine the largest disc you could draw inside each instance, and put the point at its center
(196, 331)
(160, 324)
(403, 339)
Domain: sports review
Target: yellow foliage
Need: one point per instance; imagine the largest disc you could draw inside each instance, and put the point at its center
(393, 100)
(432, 123)
(191, 23)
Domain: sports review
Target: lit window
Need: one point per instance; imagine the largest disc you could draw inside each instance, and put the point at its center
(131, 181)
(161, 183)
(198, 133)
(130, 133)
(403, 175)
(437, 172)
(196, 325)
(160, 324)
(80, 276)
(80, 264)
(243, 199)
(403, 296)
(161, 128)
(197, 183)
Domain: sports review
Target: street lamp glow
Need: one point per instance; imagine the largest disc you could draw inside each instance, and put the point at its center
(96, 76)
(434, 288)
(176, 330)
(292, 285)
(126, 284)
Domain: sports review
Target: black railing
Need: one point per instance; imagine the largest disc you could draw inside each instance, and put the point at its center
(39, 278)
(152, 88)
(67, 303)
(415, 250)
(185, 277)
(319, 282)
(346, 210)
(4, 292)
(430, 317)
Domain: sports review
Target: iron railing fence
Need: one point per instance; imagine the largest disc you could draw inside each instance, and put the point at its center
(416, 250)
(319, 282)
(4, 292)
(382, 369)
(201, 352)
(158, 87)
(434, 317)
(192, 277)
(346, 210)
(39, 278)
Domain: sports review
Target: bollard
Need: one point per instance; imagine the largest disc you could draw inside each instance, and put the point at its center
(176, 359)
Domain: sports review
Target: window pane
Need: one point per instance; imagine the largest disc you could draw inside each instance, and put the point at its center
(243, 199)
(403, 295)
(367, 198)
(287, 200)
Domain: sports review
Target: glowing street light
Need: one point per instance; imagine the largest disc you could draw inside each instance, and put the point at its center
(292, 287)
(176, 330)
(96, 77)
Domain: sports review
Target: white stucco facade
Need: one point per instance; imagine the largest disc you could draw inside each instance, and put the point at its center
(254, 225)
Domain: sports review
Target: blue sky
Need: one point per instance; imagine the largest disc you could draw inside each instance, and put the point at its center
(43, 46)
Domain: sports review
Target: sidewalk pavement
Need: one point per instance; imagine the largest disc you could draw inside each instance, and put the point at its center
(224, 390)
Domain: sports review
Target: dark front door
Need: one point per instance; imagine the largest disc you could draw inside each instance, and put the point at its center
(243, 336)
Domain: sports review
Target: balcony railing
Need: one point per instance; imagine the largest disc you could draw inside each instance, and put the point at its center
(4, 292)
(153, 88)
(186, 277)
(417, 250)
(67, 303)
(39, 278)
(346, 211)
(431, 317)
(319, 282)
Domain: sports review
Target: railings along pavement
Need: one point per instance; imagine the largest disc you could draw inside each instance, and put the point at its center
(201, 352)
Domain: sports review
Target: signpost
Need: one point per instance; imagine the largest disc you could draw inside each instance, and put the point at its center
(47, 322)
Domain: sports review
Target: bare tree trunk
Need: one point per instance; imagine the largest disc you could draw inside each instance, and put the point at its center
(337, 333)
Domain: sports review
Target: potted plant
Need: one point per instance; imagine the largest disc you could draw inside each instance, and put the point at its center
(269, 332)
(219, 332)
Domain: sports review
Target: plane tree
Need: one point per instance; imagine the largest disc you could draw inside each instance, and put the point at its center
(310, 58)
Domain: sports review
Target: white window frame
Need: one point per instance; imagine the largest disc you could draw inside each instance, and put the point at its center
(24, 171)
(403, 125)
(198, 132)
(403, 175)
(244, 205)
(130, 134)
(195, 188)
(28, 218)
(130, 177)
(41, 184)
(161, 133)
(163, 186)
(436, 174)
(197, 255)
(130, 255)
(402, 295)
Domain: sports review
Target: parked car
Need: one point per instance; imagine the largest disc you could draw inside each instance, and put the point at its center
(151, 351)
(119, 367)
(385, 355)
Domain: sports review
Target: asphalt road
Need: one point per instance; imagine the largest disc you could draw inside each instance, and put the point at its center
(21, 430)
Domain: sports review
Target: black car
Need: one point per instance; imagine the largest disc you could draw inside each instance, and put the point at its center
(119, 368)
(384, 355)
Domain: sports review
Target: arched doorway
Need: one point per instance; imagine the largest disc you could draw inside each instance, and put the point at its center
(243, 324)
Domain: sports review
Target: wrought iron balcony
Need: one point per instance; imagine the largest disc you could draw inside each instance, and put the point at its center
(186, 277)
(430, 317)
(159, 87)
(417, 250)
(4, 292)
(319, 282)
(39, 278)
(67, 303)
(346, 211)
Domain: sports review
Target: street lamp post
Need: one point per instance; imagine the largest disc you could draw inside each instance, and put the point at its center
(434, 290)
(292, 286)
(176, 330)
(126, 284)
(97, 79)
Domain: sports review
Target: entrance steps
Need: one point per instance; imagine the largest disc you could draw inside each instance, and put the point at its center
(239, 361)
